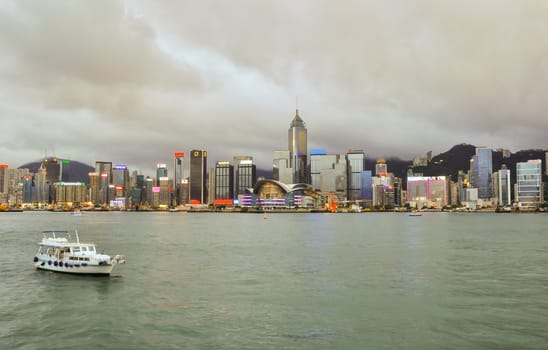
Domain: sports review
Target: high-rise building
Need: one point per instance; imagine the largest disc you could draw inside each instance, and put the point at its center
(367, 187)
(281, 167)
(224, 183)
(28, 186)
(355, 161)
(163, 184)
(161, 171)
(53, 170)
(430, 191)
(529, 184)
(381, 168)
(104, 169)
(504, 187)
(198, 177)
(4, 177)
(178, 173)
(483, 169)
(245, 174)
(298, 149)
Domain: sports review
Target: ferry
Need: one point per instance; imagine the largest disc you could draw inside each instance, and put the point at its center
(58, 252)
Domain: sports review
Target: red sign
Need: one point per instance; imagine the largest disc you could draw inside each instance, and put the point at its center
(4, 166)
(179, 154)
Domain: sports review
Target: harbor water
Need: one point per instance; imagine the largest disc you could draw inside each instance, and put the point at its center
(290, 281)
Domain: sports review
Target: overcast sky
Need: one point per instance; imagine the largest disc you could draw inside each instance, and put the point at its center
(132, 81)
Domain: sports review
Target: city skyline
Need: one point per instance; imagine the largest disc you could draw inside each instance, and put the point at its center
(392, 79)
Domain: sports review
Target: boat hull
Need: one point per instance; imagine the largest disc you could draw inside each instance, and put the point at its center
(76, 269)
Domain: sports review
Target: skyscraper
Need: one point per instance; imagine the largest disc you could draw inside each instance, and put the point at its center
(178, 167)
(298, 149)
(504, 186)
(245, 174)
(224, 183)
(161, 171)
(53, 170)
(104, 169)
(483, 169)
(529, 184)
(355, 160)
(281, 167)
(198, 180)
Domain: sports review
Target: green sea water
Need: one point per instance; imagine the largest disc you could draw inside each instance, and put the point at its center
(292, 281)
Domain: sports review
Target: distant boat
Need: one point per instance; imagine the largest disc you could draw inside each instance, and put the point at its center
(265, 216)
(59, 253)
(77, 212)
(415, 213)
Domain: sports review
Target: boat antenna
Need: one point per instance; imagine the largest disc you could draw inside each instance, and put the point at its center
(77, 239)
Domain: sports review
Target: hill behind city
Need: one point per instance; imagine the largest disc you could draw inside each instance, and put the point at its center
(446, 163)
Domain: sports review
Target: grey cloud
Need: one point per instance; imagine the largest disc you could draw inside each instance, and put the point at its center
(396, 78)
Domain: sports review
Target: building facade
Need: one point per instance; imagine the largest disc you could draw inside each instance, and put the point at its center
(529, 184)
(298, 149)
(198, 177)
(355, 162)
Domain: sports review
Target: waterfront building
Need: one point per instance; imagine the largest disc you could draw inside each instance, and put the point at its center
(429, 191)
(149, 188)
(198, 177)
(70, 193)
(4, 177)
(367, 187)
(245, 174)
(383, 190)
(104, 169)
(355, 161)
(529, 184)
(328, 174)
(28, 185)
(281, 167)
(483, 169)
(298, 149)
(164, 193)
(274, 194)
(223, 184)
(504, 186)
(120, 180)
(178, 173)
(94, 187)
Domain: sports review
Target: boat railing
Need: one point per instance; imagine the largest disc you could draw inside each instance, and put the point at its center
(56, 234)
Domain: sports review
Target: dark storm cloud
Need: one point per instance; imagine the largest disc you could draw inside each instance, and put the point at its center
(134, 81)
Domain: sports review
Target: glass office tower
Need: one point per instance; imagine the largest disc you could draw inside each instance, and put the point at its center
(298, 148)
(355, 161)
(529, 184)
(483, 169)
(198, 179)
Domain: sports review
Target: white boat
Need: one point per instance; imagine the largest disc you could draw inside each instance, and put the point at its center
(415, 213)
(77, 212)
(60, 253)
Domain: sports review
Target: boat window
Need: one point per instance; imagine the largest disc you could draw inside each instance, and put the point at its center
(76, 249)
(92, 249)
(84, 248)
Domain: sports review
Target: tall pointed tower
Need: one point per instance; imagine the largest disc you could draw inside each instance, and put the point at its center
(298, 148)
